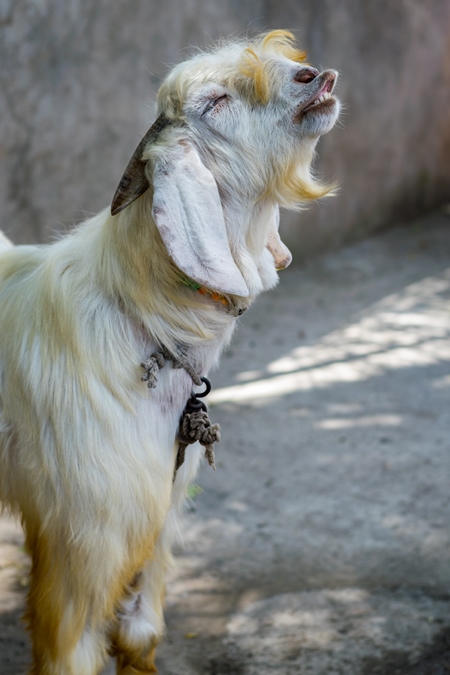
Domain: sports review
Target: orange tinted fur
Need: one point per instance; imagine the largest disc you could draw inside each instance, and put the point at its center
(257, 68)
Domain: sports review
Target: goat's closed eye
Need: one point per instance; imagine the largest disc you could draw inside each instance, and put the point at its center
(216, 103)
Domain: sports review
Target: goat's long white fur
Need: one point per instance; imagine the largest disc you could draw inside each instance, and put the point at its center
(87, 451)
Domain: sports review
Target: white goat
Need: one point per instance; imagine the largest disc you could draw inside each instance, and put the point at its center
(87, 450)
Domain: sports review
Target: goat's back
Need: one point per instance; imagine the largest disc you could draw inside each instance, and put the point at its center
(4, 242)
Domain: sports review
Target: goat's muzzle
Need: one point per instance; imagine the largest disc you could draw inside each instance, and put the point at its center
(321, 98)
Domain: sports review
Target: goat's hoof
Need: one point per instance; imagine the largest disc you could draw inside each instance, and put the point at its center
(138, 666)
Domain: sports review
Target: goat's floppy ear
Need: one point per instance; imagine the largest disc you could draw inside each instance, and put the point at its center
(188, 214)
(281, 254)
(134, 182)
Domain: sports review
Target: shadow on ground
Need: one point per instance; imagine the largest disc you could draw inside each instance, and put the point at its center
(321, 544)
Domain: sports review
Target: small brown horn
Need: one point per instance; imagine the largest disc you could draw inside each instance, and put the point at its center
(134, 181)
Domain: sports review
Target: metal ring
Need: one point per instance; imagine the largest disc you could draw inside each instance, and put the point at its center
(207, 384)
(194, 405)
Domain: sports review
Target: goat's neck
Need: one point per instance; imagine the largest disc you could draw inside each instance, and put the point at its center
(137, 272)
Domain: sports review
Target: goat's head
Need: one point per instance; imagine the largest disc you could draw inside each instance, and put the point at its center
(234, 140)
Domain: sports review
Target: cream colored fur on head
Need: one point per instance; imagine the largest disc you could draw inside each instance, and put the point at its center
(87, 452)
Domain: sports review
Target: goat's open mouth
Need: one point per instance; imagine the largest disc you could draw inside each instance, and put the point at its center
(321, 99)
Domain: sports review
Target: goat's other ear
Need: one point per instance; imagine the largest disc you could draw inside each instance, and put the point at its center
(188, 214)
(134, 181)
(281, 254)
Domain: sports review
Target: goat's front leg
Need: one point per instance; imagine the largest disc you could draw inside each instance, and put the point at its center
(140, 623)
(69, 611)
(140, 618)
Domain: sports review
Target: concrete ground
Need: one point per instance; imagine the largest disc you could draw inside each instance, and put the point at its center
(320, 546)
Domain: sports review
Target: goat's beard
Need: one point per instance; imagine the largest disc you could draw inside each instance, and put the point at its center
(294, 184)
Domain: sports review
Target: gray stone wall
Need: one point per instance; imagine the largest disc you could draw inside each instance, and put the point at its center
(77, 83)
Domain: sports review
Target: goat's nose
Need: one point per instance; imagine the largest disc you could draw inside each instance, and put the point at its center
(306, 74)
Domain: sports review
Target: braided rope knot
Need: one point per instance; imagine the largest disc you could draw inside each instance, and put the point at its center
(156, 361)
(152, 367)
(196, 426)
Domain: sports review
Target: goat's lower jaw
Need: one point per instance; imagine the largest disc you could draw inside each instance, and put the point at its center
(325, 98)
(325, 105)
